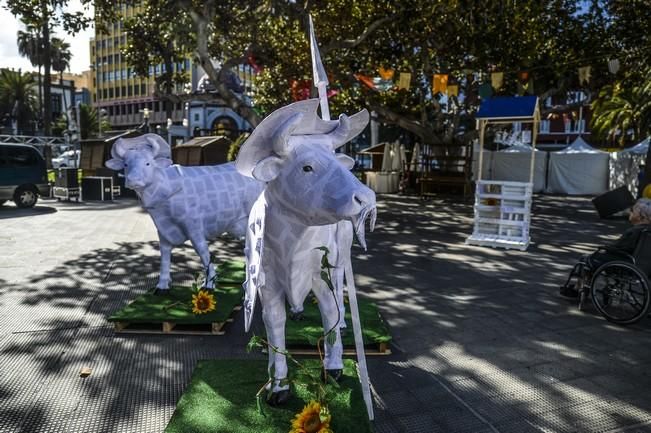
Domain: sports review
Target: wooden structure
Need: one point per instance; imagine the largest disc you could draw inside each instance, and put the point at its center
(96, 151)
(503, 209)
(446, 169)
(202, 151)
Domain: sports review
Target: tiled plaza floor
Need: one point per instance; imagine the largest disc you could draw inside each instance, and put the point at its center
(482, 342)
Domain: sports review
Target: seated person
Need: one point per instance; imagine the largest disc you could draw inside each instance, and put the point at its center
(640, 217)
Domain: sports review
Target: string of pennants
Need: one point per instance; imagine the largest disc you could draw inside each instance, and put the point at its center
(441, 84)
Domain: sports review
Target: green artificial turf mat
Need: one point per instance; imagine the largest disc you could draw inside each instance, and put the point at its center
(221, 398)
(308, 330)
(176, 307)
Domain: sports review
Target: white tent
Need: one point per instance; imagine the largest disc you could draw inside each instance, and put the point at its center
(512, 164)
(625, 166)
(579, 169)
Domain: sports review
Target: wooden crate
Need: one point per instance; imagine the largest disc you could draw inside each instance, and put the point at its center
(166, 327)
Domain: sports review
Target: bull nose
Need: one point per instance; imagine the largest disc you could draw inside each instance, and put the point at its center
(364, 198)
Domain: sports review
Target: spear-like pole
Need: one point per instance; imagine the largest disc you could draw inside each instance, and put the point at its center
(319, 75)
(321, 83)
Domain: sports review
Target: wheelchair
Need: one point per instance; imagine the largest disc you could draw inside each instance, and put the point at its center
(619, 285)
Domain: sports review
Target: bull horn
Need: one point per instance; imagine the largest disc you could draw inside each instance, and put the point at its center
(281, 137)
(118, 150)
(348, 128)
(160, 148)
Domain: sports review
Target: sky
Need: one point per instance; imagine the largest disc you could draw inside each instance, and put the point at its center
(9, 57)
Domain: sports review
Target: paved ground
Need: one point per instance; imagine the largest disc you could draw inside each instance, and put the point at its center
(482, 343)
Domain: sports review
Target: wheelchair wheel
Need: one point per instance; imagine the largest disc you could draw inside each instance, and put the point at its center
(620, 291)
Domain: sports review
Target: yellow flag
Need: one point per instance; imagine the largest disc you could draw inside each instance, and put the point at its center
(584, 75)
(453, 90)
(405, 80)
(386, 74)
(440, 83)
(497, 78)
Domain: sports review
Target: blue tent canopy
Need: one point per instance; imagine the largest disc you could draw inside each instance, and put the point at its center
(504, 107)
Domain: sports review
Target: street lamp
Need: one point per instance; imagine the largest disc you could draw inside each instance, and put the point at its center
(145, 117)
(102, 113)
(169, 133)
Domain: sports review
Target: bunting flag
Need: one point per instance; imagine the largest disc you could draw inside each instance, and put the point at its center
(453, 90)
(440, 82)
(525, 87)
(584, 75)
(523, 76)
(613, 66)
(485, 91)
(251, 59)
(497, 79)
(366, 80)
(405, 80)
(386, 74)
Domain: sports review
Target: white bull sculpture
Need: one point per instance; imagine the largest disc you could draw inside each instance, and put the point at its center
(310, 200)
(195, 203)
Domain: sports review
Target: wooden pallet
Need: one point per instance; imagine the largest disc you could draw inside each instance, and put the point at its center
(371, 350)
(165, 327)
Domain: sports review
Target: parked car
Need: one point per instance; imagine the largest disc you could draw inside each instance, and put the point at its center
(69, 158)
(23, 175)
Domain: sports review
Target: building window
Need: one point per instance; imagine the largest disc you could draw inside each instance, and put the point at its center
(104, 94)
(143, 89)
(130, 109)
(110, 92)
(196, 117)
(110, 110)
(544, 126)
(129, 90)
(124, 91)
(136, 90)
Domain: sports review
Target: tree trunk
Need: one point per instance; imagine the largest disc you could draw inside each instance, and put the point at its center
(646, 179)
(231, 99)
(47, 63)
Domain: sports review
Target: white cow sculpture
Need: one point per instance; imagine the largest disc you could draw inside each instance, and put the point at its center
(195, 203)
(311, 199)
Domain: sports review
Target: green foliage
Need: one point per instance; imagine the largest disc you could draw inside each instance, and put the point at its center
(17, 97)
(234, 148)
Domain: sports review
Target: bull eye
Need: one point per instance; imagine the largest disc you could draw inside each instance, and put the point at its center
(307, 168)
(148, 164)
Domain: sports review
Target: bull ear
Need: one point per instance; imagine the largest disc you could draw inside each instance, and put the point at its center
(115, 164)
(267, 169)
(345, 160)
(162, 162)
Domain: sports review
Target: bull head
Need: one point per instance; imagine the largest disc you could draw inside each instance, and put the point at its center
(293, 150)
(139, 157)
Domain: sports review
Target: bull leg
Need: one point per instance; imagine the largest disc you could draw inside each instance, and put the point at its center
(273, 315)
(201, 247)
(333, 362)
(164, 279)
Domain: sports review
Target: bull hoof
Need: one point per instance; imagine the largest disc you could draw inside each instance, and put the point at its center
(335, 374)
(161, 292)
(297, 317)
(278, 398)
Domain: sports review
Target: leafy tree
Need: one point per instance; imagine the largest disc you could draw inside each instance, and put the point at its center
(29, 45)
(17, 97)
(44, 15)
(61, 57)
(88, 123)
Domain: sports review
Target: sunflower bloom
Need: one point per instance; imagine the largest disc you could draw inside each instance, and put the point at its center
(203, 302)
(313, 419)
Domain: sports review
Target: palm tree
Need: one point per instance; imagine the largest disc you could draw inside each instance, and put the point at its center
(619, 112)
(17, 98)
(29, 45)
(60, 62)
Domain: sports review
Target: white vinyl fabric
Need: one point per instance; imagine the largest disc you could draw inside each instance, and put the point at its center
(514, 164)
(579, 169)
(625, 166)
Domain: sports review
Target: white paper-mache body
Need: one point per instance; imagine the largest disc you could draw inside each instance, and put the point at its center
(311, 200)
(185, 203)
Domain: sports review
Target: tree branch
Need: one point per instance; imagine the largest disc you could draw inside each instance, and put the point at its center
(427, 135)
(352, 43)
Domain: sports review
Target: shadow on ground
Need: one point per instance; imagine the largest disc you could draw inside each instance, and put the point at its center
(482, 342)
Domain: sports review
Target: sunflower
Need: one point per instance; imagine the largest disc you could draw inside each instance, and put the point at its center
(203, 302)
(313, 419)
